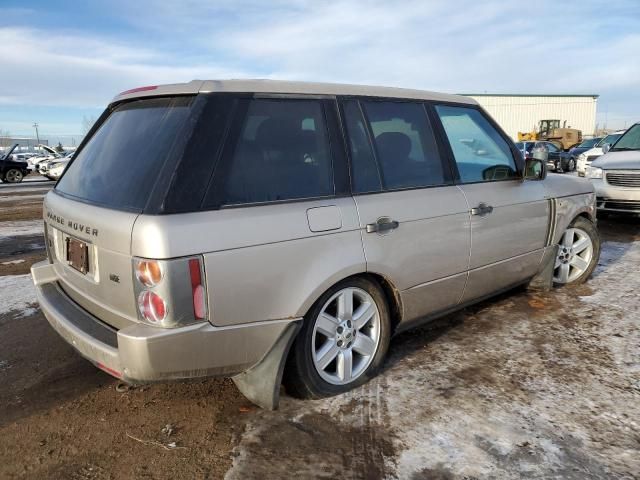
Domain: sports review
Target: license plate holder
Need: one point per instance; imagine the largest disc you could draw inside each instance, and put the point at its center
(78, 255)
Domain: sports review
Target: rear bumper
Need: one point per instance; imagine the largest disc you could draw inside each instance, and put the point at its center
(616, 199)
(142, 353)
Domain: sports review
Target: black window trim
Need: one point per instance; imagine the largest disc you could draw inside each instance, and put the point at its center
(220, 173)
(446, 168)
(153, 205)
(515, 153)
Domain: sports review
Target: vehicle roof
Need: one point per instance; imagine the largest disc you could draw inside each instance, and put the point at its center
(287, 87)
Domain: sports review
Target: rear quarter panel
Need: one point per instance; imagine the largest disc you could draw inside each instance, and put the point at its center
(261, 262)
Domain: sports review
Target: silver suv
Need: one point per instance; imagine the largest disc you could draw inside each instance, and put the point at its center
(268, 230)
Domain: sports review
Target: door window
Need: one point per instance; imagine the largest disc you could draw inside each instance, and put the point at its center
(480, 152)
(366, 176)
(282, 153)
(404, 153)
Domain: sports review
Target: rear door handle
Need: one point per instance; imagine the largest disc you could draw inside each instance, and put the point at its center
(482, 210)
(383, 224)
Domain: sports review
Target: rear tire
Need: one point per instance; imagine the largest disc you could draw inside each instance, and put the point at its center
(342, 343)
(578, 253)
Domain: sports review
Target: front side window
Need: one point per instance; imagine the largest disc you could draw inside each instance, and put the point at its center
(404, 152)
(480, 152)
(282, 153)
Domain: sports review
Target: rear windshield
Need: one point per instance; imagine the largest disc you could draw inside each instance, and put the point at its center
(118, 167)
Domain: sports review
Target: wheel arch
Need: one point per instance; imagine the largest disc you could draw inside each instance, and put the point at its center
(391, 293)
(570, 208)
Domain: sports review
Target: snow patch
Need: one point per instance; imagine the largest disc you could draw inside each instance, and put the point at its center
(13, 262)
(515, 398)
(20, 198)
(20, 228)
(17, 295)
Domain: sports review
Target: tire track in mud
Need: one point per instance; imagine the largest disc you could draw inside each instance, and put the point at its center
(343, 436)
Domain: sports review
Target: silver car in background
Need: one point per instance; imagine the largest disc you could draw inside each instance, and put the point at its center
(585, 158)
(271, 231)
(616, 174)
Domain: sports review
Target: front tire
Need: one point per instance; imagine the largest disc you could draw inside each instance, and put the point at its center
(13, 176)
(578, 253)
(343, 341)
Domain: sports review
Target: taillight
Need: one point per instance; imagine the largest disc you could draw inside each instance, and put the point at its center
(197, 290)
(139, 89)
(152, 306)
(148, 272)
(163, 289)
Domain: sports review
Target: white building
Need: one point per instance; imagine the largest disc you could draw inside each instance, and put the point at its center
(521, 113)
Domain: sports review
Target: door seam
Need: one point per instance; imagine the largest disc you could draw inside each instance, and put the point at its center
(466, 280)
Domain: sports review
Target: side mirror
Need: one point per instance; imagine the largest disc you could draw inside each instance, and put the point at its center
(605, 148)
(534, 169)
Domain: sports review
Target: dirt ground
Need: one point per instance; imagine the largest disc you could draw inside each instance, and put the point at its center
(522, 386)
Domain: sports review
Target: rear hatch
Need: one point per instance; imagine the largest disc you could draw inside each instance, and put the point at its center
(115, 176)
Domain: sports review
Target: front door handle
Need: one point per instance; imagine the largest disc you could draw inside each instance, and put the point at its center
(482, 210)
(383, 224)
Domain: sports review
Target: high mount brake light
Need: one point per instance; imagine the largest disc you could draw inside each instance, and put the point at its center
(139, 89)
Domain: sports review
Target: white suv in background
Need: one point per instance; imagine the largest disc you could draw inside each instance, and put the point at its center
(585, 159)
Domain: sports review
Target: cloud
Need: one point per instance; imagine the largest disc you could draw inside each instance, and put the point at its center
(45, 68)
(453, 46)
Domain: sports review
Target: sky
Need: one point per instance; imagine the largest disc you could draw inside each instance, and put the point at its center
(63, 61)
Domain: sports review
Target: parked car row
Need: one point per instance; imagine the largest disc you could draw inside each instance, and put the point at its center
(53, 168)
(50, 163)
(557, 160)
(11, 170)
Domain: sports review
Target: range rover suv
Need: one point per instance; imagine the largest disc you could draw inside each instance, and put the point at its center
(282, 231)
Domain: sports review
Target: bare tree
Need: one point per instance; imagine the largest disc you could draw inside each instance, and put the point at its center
(5, 139)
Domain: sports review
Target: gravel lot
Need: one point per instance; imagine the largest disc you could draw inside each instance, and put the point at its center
(525, 385)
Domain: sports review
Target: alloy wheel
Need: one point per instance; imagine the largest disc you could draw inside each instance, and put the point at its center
(575, 253)
(13, 176)
(346, 335)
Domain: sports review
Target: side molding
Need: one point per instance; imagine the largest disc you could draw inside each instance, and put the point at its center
(261, 383)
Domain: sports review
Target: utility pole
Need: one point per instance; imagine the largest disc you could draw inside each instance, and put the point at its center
(35, 125)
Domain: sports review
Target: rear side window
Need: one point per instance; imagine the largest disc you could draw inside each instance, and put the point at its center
(119, 165)
(404, 152)
(282, 153)
(480, 152)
